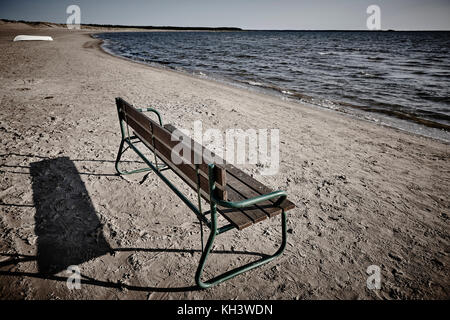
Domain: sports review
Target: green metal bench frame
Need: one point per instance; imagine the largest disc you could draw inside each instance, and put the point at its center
(130, 141)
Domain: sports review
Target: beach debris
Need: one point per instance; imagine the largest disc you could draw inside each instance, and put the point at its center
(395, 257)
(28, 38)
(437, 262)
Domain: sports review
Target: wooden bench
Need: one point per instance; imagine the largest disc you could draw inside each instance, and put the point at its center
(239, 198)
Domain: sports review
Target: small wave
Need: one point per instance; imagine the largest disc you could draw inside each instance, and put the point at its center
(434, 98)
(441, 75)
(245, 56)
(278, 79)
(327, 53)
(375, 58)
(162, 62)
(366, 74)
(434, 59)
(254, 83)
(419, 72)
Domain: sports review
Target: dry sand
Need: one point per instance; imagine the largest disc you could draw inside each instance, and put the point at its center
(365, 194)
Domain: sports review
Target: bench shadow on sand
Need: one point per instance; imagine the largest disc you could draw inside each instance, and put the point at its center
(68, 229)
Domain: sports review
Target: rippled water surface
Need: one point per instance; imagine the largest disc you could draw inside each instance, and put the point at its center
(400, 74)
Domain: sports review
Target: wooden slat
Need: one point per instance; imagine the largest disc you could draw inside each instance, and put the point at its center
(255, 185)
(219, 171)
(246, 192)
(236, 217)
(139, 117)
(253, 212)
(147, 129)
(185, 171)
(165, 154)
(144, 133)
(164, 134)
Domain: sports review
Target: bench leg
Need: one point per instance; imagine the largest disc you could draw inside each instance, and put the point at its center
(232, 273)
(119, 156)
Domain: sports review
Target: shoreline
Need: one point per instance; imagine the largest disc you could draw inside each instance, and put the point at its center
(365, 194)
(392, 119)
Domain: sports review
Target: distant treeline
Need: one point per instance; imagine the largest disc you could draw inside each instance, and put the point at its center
(164, 27)
(35, 23)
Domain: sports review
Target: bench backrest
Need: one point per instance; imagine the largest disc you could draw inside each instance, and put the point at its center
(159, 139)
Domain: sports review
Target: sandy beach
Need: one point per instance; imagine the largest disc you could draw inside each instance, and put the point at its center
(365, 194)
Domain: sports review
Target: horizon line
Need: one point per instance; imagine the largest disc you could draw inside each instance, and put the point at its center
(221, 28)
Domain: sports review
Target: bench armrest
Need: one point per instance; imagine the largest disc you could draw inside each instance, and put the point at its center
(249, 202)
(151, 110)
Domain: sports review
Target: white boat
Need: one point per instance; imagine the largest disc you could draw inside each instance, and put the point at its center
(25, 38)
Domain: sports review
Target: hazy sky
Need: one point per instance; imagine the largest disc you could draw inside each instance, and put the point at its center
(250, 14)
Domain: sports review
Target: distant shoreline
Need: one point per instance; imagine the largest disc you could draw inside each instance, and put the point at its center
(180, 28)
(115, 26)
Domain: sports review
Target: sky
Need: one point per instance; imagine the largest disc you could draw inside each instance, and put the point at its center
(246, 14)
